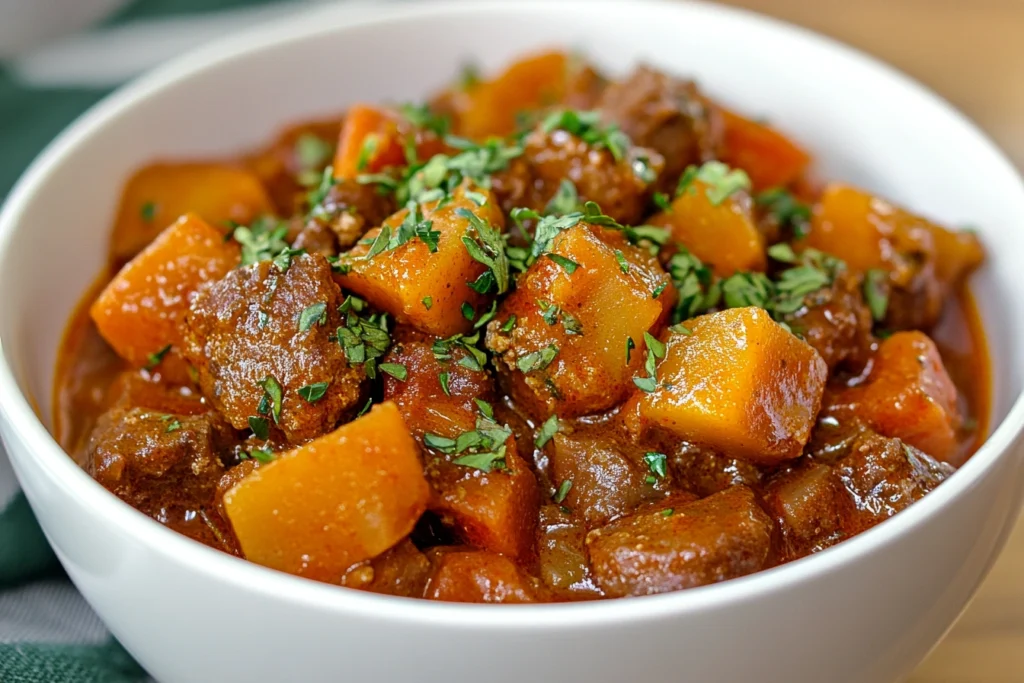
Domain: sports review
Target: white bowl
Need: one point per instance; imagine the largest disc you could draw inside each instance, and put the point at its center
(866, 610)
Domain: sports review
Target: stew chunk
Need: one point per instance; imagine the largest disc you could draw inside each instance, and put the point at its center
(679, 543)
(260, 340)
(740, 384)
(580, 318)
(341, 499)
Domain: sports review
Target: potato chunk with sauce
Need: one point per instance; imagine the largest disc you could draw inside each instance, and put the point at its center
(681, 543)
(423, 286)
(341, 499)
(740, 384)
(580, 317)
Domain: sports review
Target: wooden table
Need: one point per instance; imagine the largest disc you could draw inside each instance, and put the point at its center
(971, 52)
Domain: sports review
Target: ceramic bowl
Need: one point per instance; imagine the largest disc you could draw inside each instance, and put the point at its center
(867, 610)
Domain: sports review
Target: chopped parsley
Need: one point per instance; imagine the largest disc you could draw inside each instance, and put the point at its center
(364, 339)
(509, 324)
(537, 360)
(623, 263)
(420, 116)
(787, 211)
(467, 310)
(413, 226)
(630, 345)
(483, 448)
(272, 397)
(565, 200)
(876, 292)
(721, 181)
(667, 512)
(148, 211)
(260, 455)
(314, 392)
(312, 152)
(154, 359)
(485, 244)
(366, 407)
(655, 350)
(396, 370)
(487, 317)
(656, 463)
(260, 427)
(262, 240)
(563, 491)
(444, 378)
(313, 315)
(547, 431)
(587, 126)
(428, 301)
(444, 348)
(695, 282)
(662, 201)
(568, 265)
(172, 423)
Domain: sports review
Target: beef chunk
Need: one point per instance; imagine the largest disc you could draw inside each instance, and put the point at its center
(836, 322)
(402, 570)
(679, 543)
(883, 476)
(551, 157)
(159, 463)
(805, 500)
(667, 115)
(256, 328)
(562, 553)
(704, 472)
(480, 576)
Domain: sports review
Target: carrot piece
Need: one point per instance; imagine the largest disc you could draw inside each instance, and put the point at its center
(362, 121)
(490, 108)
(158, 194)
(722, 235)
(343, 498)
(140, 310)
(769, 158)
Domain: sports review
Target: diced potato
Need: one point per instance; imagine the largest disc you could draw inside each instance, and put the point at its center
(490, 108)
(562, 552)
(158, 194)
(400, 280)
(681, 543)
(495, 510)
(723, 236)
(769, 158)
(806, 506)
(340, 499)
(388, 130)
(908, 395)
(480, 576)
(140, 311)
(869, 232)
(574, 360)
(739, 384)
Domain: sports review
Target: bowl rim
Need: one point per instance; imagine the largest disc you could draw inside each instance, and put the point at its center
(17, 410)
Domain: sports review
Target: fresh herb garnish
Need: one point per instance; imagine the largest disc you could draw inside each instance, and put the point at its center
(537, 360)
(509, 324)
(721, 181)
(312, 152)
(148, 212)
(428, 301)
(172, 423)
(787, 211)
(261, 455)
(662, 201)
(420, 116)
(364, 340)
(443, 378)
(396, 370)
(657, 464)
(314, 392)
(563, 491)
(483, 448)
(273, 395)
(568, 265)
(566, 199)
(261, 240)
(485, 245)
(467, 310)
(313, 315)
(154, 359)
(623, 263)
(587, 126)
(260, 427)
(547, 431)
(876, 292)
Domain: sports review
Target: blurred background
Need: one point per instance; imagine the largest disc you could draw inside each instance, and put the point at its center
(57, 57)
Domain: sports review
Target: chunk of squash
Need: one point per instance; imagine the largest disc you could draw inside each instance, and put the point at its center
(491, 107)
(908, 395)
(159, 194)
(401, 279)
(140, 310)
(739, 384)
(578, 338)
(769, 157)
(335, 501)
(723, 236)
(373, 139)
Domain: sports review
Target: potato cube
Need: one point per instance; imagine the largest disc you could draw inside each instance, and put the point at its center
(340, 499)
(423, 288)
(740, 384)
(909, 396)
(578, 336)
(158, 194)
(723, 236)
(681, 543)
(140, 310)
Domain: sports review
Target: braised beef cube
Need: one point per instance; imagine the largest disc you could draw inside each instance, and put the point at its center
(907, 395)
(608, 478)
(261, 340)
(347, 211)
(667, 115)
(494, 508)
(159, 463)
(402, 570)
(836, 322)
(563, 554)
(137, 389)
(680, 543)
(805, 502)
(618, 182)
(480, 576)
(704, 472)
(883, 476)
(577, 339)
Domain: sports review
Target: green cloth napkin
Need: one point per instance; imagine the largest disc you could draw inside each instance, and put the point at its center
(48, 634)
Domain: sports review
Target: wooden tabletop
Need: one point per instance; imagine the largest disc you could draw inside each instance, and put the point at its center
(972, 53)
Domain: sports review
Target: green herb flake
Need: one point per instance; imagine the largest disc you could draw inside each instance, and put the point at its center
(657, 464)
(172, 422)
(313, 315)
(148, 211)
(623, 263)
(366, 407)
(314, 392)
(566, 199)
(154, 359)
(656, 347)
(274, 395)
(662, 201)
(567, 265)
(787, 211)
(658, 290)
(396, 370)
(485, 408)
(722, 181)
(428, 301)
(783, 253)
(509, 324)
(547, 431)
(312, 152)
(485, 244)
(260, 427)
(563, 491)
(537, 360)
(630, 345)
(367, 151)
(876, 293)
(667, 512)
